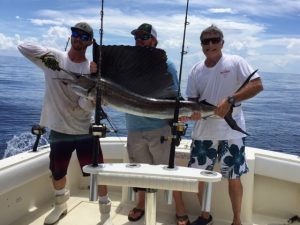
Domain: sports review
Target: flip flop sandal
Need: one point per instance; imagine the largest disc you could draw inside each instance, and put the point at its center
(183, 220)
(136, 210)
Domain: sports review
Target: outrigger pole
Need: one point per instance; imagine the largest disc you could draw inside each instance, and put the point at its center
(98, 130)
(178, 128)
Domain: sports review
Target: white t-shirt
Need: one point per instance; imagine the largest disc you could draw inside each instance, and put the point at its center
(63, 111)
(214, 84)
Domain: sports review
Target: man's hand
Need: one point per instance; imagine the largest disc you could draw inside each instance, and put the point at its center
(50, 62)
(93, 67)
(223, 108)
(195, 116)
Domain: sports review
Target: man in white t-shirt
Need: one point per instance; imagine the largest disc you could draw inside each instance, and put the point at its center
(217, 80)
(67, 115)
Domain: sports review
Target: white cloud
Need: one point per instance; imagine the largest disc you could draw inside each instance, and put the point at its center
(236, 45)
(6, 42)
(259, 8)
(221, 10)
(56, 37)
(293, 46)
(42, 22)
(243, 36)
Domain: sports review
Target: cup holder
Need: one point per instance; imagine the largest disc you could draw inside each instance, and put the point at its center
(208, 173)
(133, 165)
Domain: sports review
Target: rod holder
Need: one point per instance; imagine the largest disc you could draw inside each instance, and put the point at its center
(93, 188)
(38, 131)
(206, 198)
(131, 194)
(150, 206)
(169, 196)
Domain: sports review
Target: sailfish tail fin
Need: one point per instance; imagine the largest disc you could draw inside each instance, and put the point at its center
(228, 118)
(232, 123)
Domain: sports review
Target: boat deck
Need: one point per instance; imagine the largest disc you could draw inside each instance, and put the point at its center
(81, 211)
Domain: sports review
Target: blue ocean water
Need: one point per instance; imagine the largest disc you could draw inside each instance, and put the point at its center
(272, 117)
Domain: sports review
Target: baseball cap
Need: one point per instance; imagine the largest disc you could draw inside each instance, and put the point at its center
(146, 27)
(83, 26)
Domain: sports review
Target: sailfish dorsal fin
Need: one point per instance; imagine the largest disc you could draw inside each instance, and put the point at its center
(141, 70)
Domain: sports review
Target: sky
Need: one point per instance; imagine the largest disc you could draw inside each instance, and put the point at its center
(265, 32)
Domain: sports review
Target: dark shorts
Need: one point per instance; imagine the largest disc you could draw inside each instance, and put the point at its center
(229, 153)
(62, 147)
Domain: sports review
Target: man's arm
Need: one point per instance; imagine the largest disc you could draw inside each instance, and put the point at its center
(250, 90)
(39, 55)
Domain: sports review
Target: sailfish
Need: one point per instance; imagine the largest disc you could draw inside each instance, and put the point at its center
(135, 80)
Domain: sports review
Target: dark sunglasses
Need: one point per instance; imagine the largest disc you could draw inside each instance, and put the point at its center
(215, 40)
(83, 37)
(143, 37)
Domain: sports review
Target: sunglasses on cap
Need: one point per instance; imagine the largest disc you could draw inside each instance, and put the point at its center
(83, 36)
(215, 40)
(143, 37)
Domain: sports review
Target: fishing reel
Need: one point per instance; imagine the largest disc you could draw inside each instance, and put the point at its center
(178, 130)
(181, 128)
(99, 130)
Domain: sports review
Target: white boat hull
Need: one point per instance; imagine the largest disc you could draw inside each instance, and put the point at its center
(271, 189)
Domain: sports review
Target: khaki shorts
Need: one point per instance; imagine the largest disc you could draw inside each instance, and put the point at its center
(146, 146)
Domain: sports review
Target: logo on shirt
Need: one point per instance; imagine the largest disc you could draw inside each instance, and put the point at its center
(225, 72)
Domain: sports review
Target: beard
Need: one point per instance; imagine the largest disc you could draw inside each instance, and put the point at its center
(78, 45)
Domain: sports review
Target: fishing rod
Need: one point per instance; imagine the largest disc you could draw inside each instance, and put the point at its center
(98, 114)
(98, 130)
(67, 43)
(178, 128)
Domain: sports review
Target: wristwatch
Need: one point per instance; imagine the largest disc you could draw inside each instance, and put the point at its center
(231, 100)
